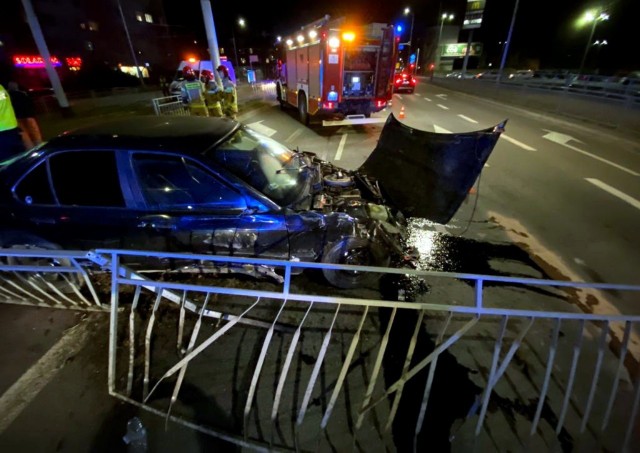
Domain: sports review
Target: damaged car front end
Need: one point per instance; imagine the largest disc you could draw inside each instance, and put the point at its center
(214, 186)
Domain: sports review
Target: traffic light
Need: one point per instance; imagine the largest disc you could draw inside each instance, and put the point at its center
(412, 58)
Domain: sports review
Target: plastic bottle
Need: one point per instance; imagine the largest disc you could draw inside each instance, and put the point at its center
(136, 437)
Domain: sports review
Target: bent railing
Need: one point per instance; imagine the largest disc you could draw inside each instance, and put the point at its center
(288, 363)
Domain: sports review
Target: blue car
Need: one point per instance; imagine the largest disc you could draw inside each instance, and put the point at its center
(212, 185)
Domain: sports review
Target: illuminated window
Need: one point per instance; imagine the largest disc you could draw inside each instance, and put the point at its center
(139, 17)
(93, 26)
(83, 25)
(148, 18)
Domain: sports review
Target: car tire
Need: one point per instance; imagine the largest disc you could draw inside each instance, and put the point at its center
(357, 251)
(21, 240)
(410, 91)
(303, 114)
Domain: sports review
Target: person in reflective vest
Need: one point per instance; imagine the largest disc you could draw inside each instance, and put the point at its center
(193, 94)
(10, 140)
(229, 98)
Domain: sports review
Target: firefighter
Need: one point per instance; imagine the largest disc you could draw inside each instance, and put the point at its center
(193, 93)
(212, 94)
(229, 93)
(10, 140)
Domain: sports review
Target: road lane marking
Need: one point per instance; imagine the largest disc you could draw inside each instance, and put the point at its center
(466, 118)
(293, 136)
(427, 99)
(343, 140)
(25, 389)
(615, 192)
(399, 96)
(441, 96)
(562, 139)
(517, 143)
(440, 130)
(443, 106)
(261, 128)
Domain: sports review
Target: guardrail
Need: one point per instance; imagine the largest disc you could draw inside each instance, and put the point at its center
(283, 364)
(347, 370)
(171, 106)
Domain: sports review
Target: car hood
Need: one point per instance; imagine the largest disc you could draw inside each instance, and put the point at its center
(425, 174)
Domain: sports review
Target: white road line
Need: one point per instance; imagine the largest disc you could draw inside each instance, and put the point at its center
(601, 159)
(466, 118)
(615, 192)
(261, 128)
(399, 96)
(443, 106)
(25, 389)
(343, 140)
(487, 165)
(517, 143)
(440, 130)
(441, 96)
(427, 99)
(293, 136)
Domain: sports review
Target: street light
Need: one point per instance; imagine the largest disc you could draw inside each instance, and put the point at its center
(408, 11)
(241, 23)
(594, 17)
(444, 17)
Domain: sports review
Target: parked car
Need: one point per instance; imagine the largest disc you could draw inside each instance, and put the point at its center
(212, 185)
(404, 81)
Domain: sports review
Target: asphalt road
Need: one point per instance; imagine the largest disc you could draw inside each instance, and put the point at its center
(567, 193)
(565, 196)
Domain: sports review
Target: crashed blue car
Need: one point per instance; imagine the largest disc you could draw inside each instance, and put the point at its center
(214, 186)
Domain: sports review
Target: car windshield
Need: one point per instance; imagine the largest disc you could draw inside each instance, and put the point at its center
(265, 164)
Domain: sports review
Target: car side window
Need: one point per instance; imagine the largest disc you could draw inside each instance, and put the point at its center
(172, 182)
(34, 188)
(86, 178)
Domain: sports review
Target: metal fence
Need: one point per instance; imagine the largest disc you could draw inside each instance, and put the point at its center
(287, 363)
(171, 106)
(480, 360)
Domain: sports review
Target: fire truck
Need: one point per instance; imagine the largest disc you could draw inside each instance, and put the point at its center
(333, 67)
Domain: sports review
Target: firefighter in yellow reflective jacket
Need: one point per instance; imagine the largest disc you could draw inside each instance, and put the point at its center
(192, 91)
(10, 141)
(229, 97)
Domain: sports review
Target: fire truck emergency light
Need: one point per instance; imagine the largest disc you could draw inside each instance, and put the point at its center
(349, 36)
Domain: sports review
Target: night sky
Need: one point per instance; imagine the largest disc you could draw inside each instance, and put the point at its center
(544, 29)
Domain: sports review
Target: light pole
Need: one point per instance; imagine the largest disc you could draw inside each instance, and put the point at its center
(444, 17)
(594, 18)
(407, 11)
(242, 24)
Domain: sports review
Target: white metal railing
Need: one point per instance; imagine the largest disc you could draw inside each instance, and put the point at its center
(310, 366)
(319, 360)
(170, 105)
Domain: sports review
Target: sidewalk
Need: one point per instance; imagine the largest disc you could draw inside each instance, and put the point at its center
(91, 110)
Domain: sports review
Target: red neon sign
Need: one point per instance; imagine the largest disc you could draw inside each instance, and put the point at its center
(31, 61)
(74, 62)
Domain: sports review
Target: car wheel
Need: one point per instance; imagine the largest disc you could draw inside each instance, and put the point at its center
(26, 241)
(303, 114)
(356, 251)
(410, 91)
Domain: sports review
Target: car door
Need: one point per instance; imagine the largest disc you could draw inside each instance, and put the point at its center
(75, 198)
(190, 207)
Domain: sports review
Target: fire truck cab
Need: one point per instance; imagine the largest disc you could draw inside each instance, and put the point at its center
(332, 67)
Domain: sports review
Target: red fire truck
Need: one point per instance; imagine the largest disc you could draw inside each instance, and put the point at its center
(332, 67)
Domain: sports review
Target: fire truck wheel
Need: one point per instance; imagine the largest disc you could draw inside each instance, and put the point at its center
(303, 114)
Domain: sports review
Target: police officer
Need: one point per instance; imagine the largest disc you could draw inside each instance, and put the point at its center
(230, 95)
(10, 140)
